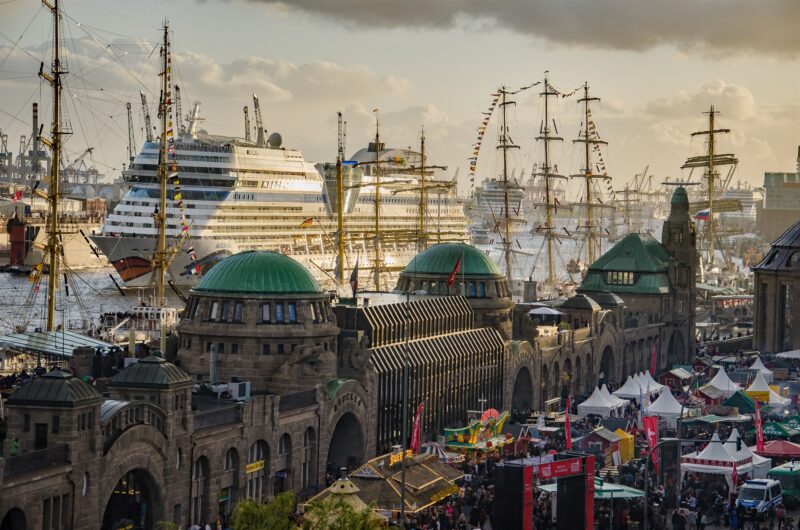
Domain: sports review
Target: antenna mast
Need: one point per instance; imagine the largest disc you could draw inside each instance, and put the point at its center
(54, 248)
(131, 140)
(546, 136)
(148, 127)
(589, 138)
(504, 145)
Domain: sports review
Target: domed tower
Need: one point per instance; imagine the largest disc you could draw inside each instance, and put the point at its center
(477, 278)
(260, 317)
(679, 237)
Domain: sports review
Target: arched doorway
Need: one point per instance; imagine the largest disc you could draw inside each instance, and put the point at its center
(14, 520)
(606, 374)
(522, 395)
(578, 388)
(347, 444)
(545, 386)
(283, 475)
(133, 501)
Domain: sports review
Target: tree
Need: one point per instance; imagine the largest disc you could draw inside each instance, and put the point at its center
(334, 513)
(274, 515)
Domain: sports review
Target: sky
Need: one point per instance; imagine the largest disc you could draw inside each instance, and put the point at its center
(657, 66)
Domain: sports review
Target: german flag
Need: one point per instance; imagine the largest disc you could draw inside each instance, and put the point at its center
(308, 222)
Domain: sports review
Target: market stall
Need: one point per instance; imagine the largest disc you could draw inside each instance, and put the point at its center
(761, 464)
(715, 459)
(766, 372)
(761, 391)
(666, 407)
(598, 405)
(611, 398)
(780, 450)
(723, 383)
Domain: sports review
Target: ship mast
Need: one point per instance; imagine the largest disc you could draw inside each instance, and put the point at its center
(504, 145)
(423, 203)
(340, 200)
(161, 259)
(377, 181)
(546, 136)
(709, 162)
(588, 139)
(54, 246)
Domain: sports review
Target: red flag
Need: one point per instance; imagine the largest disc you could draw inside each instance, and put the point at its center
(17, 196)
(650, 424)
(416, 430)
(759, 430)
(653, 360)
(452, 278)
(568, 424)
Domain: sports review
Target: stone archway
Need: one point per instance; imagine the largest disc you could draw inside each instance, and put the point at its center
(522, 395)
(14, 520)
(606, 374)
(578, 386)
(136, 498)
(346, 448)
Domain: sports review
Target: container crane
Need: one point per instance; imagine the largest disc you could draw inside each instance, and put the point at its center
(148, 128)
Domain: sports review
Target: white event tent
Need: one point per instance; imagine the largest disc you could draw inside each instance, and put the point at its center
(648, 378)
(759, 386)
(666, 406)
(715, 459)
(761, 465)
(597, 404)
(766, 372)
(634, 388)
(612, 399)
(723, 383)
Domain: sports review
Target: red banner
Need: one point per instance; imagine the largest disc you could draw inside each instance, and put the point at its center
(650, 424)
(589, 500)
(559, 468)
(653, 359)
(568, 424)
(527, 498)
(416, 434)
(759, 430)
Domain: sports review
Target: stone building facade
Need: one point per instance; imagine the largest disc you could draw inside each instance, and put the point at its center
(160, 443)
(777, 295)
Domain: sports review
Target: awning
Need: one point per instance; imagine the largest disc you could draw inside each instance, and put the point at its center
(545, 311)
(603, 490)
(54, 343)
(792, 354)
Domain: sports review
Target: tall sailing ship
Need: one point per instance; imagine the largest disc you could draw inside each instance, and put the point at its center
(239, 194)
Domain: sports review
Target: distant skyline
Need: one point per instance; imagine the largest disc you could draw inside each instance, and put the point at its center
(656, 65)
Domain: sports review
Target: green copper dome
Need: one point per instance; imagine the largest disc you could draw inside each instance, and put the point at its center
(679, 196)
(258, 273)
(442, 258)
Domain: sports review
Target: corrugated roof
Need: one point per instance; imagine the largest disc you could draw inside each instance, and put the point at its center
(109, 409)
(153, 372)
(56, 343)
(55, 389)
(260, 272)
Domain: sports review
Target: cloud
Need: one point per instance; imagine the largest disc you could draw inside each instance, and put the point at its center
(714, 26)
(737, 102)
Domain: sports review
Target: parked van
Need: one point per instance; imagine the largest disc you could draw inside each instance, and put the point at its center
(758, 498)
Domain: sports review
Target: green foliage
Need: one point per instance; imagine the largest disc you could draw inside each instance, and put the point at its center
(275, 515)
(167, 525)
(335, 514)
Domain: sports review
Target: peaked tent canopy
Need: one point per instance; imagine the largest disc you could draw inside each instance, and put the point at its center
(647, 378)
(596, 404)
(761, 465)
(630, 390)
(760, 390)
(758, 365)
(741, 401)
(666, 406)
(715, 459)
(612, 399)
(723, 383)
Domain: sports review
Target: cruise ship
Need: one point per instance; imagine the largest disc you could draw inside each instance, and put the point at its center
(487, 208)
(238, 195)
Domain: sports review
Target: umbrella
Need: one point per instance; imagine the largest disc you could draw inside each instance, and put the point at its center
(545, 311)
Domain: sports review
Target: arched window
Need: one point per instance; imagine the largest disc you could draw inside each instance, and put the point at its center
(284, 467)
(199, 490)
(257, 470)
(309, 475)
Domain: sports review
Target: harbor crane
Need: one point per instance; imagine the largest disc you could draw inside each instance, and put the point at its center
(148, 129)
(261, 140)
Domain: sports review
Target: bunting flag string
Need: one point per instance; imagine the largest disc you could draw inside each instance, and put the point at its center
(481, 131)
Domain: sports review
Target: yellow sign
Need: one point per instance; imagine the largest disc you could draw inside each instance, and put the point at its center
(436, 497)
(258, 465)
(396, 458)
